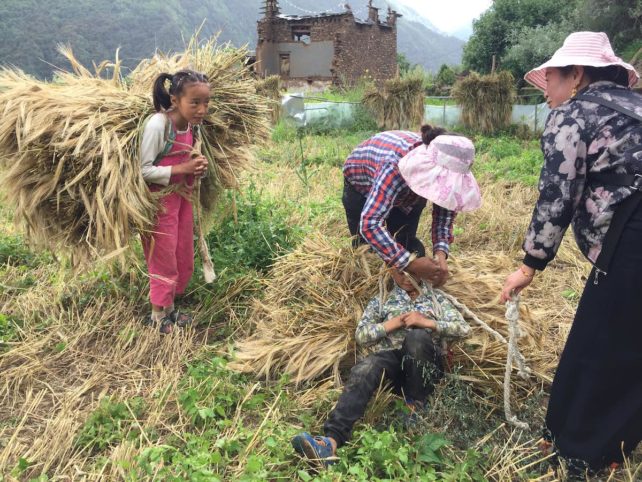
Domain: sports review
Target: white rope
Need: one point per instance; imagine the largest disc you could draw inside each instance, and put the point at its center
(513, 353)
(512, 316)
(467, 313)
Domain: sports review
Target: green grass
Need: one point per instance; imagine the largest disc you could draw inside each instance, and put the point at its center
(439, 102)
(506, 158)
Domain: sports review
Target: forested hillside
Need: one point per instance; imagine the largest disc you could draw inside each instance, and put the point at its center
(30, 30)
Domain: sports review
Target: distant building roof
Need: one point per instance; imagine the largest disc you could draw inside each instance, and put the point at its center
(309, 17)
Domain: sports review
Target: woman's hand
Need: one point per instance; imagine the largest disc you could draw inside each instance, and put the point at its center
(414, 319)
(442, 261)
(516, 282)
(425, 268)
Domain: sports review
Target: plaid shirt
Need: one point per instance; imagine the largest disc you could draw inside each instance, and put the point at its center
(372, 169)
(371, 335)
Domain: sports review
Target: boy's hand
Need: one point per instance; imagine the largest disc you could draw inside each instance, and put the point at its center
(414, 319)
(394, 324)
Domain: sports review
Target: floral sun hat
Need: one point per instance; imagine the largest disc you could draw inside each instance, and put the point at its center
(440, 173)
(591, 49)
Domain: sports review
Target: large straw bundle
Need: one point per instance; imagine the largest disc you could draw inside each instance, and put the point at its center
(270, 88)
(305, 323)
(399, 106)
(71, 146)
(486, 101)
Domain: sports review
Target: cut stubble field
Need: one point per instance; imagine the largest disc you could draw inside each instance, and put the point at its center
(88, 393)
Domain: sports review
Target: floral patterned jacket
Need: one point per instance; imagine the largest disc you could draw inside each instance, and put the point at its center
(581, 138)
(371, 336)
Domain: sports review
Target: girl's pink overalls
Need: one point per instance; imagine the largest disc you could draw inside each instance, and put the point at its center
(169, 249)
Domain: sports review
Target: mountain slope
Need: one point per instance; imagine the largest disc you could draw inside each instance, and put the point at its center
(29, 32)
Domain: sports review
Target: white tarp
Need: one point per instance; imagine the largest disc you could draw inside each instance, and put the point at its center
(533, 116)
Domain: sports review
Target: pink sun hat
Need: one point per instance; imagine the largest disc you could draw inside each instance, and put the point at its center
(440, 173)
(591, 49)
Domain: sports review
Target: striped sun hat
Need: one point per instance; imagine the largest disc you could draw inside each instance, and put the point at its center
(582, 48)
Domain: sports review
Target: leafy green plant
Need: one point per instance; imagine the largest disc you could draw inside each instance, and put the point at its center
(390, 455)
(254, 235)
(14, 252)
(508, 158)
(111, 423)
(208, 393)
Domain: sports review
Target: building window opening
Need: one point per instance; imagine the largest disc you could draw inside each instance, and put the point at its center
(301, 33)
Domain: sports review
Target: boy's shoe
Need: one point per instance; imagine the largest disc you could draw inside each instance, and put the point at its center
(415, 409)
(316, 449)
(181, 319)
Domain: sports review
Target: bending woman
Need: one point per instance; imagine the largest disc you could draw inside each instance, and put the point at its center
(591, 179)
(387, 181)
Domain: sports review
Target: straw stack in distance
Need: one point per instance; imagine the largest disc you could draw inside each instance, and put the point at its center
(400, 105)
(270, 88)
(69, 148)
(486, 101)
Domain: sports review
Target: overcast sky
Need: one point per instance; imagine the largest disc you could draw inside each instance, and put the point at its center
(449, 15)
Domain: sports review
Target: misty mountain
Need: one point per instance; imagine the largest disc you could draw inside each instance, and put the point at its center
(30, 30)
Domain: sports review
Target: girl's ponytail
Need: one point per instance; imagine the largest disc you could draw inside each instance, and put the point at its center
(162, 100)
(428, 133)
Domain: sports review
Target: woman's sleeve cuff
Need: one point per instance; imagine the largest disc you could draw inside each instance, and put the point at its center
(535, 263)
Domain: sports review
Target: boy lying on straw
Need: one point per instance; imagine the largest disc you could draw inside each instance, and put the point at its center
(403, 335)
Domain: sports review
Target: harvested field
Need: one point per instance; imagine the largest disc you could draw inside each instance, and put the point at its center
(89, 394)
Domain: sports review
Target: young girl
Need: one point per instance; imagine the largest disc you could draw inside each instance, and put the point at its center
(166, 159)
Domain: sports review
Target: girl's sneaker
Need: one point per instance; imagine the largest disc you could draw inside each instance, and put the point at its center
(181, 319)
(316, 449)
(166, 324)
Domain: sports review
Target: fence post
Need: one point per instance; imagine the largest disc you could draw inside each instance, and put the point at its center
(535, 126)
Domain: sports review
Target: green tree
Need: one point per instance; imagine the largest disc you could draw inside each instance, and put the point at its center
(533, 46)
(446, 76)
(493, 32)
(404, 64)
(620, 19)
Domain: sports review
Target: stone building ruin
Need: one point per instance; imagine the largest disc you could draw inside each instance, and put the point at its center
(328, 48)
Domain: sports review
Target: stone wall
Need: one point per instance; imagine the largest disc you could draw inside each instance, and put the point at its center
(366, 50)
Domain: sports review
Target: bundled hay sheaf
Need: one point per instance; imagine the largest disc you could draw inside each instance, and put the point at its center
(486, 101)
(70, 147)
(305, 324)
(399, 106)
(270, 88)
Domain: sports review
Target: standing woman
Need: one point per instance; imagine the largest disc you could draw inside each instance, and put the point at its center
(591, 179)
(387, 181)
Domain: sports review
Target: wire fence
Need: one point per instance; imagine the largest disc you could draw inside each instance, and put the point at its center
(440, 110)
(448, 114)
